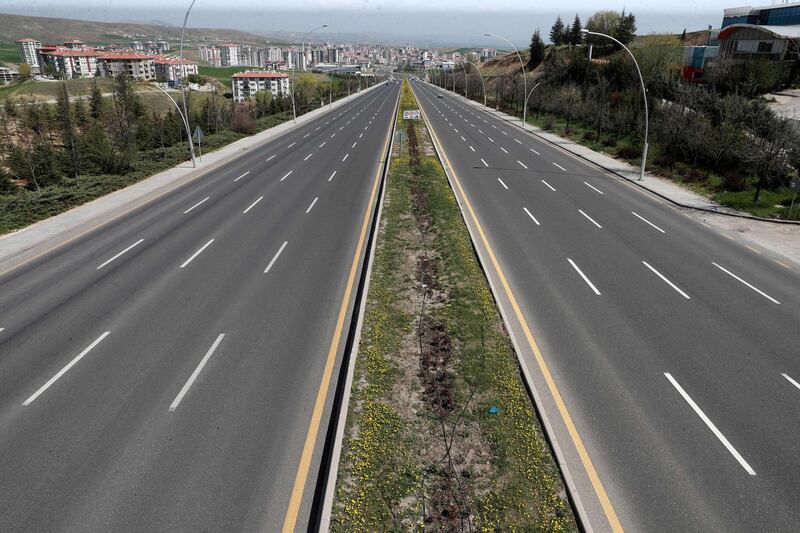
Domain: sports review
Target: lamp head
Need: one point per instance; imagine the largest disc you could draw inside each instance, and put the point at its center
(487, 34)
(324, 25)
(584, 30)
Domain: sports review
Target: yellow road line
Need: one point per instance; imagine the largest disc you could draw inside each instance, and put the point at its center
(290, 520)
(611, 514)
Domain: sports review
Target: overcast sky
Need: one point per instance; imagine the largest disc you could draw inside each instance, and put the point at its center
(435, 21)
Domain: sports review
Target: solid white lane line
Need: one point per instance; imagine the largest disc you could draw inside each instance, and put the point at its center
(197, 204)
(593, 221)
(312, 204)
(579, 271)
(471, 148)
(287, 175)
(332, 175)
(64, 370)
(307, 157)
(710, 424)
(243, 175)
(559, 166)
(275, 257)
(345, 156)
(668, 282)
(647, 221)
(734, 276)
(793, 382)
(532, 217)
(484, 162)
(323, 144)
(535, 152)
(137, 243)
(176, 402)
(551, 187)
(503, 149)
(521, 164)
(198, 252)
(251, 206)
(502, 183)
(291, 145)
(593, 187)
(270, 158)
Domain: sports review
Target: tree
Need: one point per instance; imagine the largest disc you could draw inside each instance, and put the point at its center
(683, 36)
(537, 50)
(68, 136)
(127, 110)
(626, 29)
(605, 22)
(558, 32)
(24, 71)
(96, 101)
(575, 36)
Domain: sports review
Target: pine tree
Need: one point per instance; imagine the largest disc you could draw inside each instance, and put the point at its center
(558, 32)
(67, 129)
(575, 35)
(626, 30)
(683, 35)
(537, 50)
(96, 102)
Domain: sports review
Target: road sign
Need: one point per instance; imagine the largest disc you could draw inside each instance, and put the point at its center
(198, 134)
(411, 114)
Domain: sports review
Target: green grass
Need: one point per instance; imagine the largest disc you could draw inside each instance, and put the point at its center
(387, 474)
(49, 89)
(9, 53)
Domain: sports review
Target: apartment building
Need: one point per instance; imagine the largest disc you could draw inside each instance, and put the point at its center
(7, 75)
(172, 68)
(248, 83)
(70, 62)
(137, 65)
(29, 51)
(229, 55)
(212, 55)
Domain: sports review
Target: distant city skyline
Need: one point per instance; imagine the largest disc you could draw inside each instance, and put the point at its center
(462, 26)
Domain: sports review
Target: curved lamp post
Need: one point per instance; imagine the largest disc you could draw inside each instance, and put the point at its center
(483, 84)
(644, 96)
(183, 92)
(530, 93)
(522, 68)
(466, 79)
(183, 117)
(303, 52)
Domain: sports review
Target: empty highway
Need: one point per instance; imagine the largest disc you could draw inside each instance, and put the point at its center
(173, 369)
(665, 354)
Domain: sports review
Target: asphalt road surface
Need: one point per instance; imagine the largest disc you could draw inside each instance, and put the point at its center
(674, 350)
(161, 373)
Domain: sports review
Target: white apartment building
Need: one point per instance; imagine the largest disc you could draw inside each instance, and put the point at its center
(247, 84)
(274, 53)
(137, 65)
(29, 51)
(7, 75)
(172, 68)
(72, 63)
(229, 55)
(212, 55)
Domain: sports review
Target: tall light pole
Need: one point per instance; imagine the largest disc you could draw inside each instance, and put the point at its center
(644, 96)
(522, 67)
(482, 82)
(303, 53)
(530, 93)
(466, 81)
(183, 89)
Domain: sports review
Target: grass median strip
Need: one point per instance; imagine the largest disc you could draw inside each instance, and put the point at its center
(440, 432)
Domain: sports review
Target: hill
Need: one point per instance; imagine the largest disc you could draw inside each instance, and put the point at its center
(55, 30)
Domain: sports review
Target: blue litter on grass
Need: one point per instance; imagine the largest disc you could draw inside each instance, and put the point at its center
(493, 410)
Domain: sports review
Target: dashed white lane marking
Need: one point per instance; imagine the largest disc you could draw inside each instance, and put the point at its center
(535, 152)
(503, 149)
(64, 370)
(640, 217)
(490, 139)
(345, 156)
(131, 247)
(243, 175)
(789, 379)
(186, 386)
(332, 175)
(532, 217)
(484, 162)
(291, 145)
(201, 202)
(559, 166)
(312, 204)
(307, 157)
(521, 164)
(587, 280)
(471, 148)
(593, 187)
(323, 144)
(710, 424)
(287, 175)
(251, 206)
(354, 144)
(275, 257)
(734, 276)
(502, 183)
(551, 187)
(668, 282)
(198, 252)
(306, 136)
(589, 218)
(271, 157)
(518, 141)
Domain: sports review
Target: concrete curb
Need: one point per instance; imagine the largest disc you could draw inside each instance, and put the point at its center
(336, 451)
(537, 132)
(573, 495)
(26, 244)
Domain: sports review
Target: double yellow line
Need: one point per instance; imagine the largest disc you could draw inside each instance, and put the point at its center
(602, 496)
(290, 520)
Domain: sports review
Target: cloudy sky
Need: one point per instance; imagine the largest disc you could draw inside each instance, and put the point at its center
(433, 21)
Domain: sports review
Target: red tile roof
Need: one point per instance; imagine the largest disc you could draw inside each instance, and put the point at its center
(122, 56)
(71, 53)
(174, 61)
(259, 74)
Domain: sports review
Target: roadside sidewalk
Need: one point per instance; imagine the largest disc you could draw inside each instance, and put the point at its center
(24, 244)
(782, 239)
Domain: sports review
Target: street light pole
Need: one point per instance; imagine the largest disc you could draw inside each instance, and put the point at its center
(482, 82)
(530, 93)
(644, 96)
(293, 80)
(466, 79)
(183, 89)
(522, 67)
